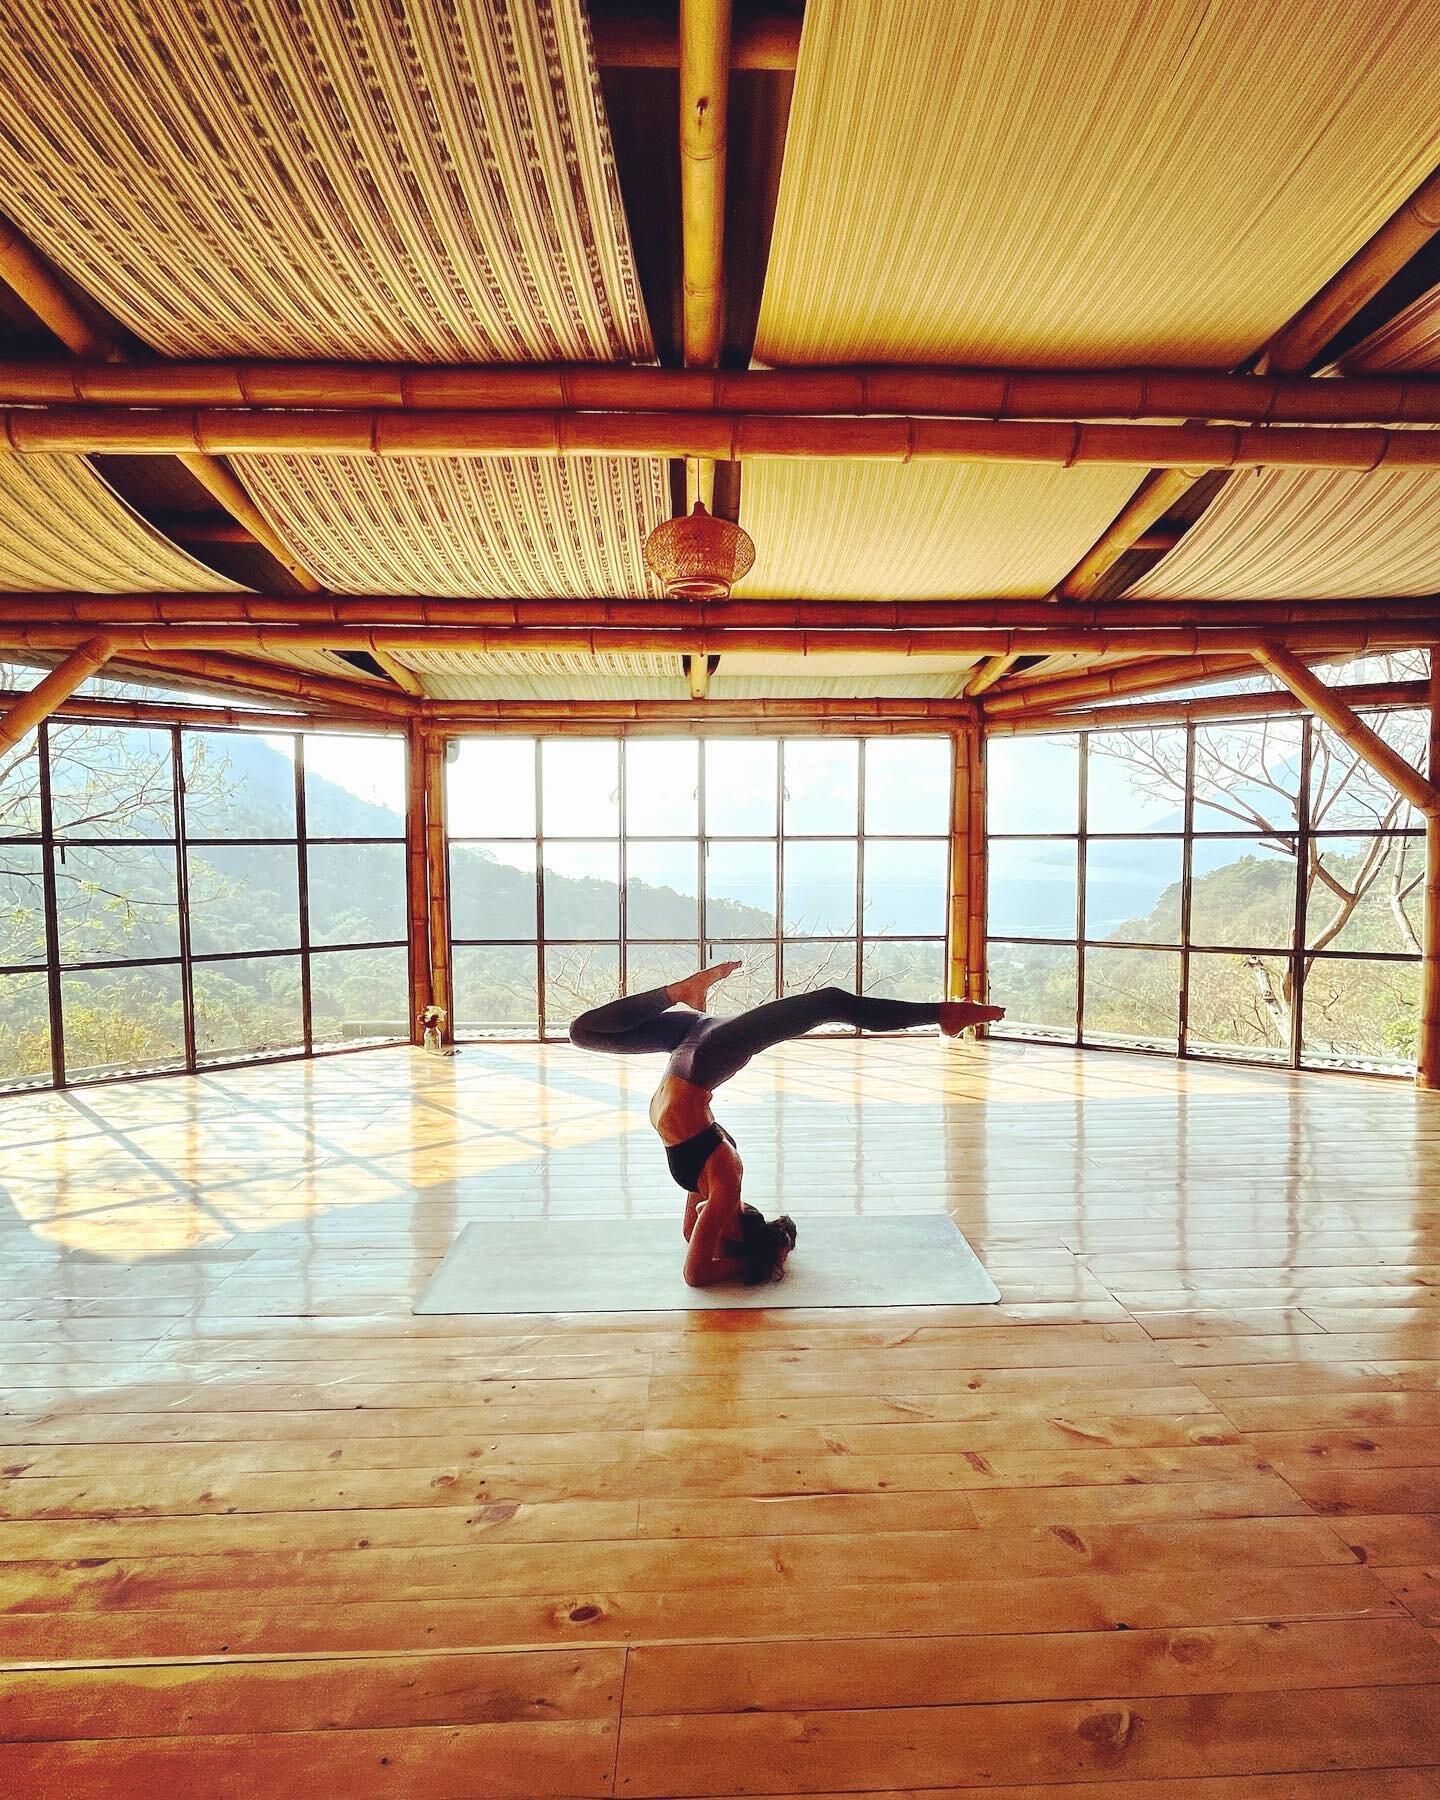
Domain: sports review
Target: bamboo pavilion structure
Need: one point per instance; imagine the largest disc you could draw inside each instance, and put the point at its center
(353, 368)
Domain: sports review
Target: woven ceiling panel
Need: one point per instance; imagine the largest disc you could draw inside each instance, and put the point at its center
(347, 178)
(1131, 181)
(1322, 534)
(64, 529)
(867, 531)
(511, 675)
(504, 527)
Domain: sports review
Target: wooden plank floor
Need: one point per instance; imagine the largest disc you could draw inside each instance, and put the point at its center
(1166, 1521)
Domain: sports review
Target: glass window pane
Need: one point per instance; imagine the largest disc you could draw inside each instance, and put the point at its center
(1366, 893)
(495, 992)
(244, 897)
(248, 1006)
(662, 786)
(577, 977)
(903, 969)
(1239, 1006)
(819, 886)
(1361, 1015)
(111, 782)
(1132, 889)
(657, 965)
(1242, 892)
(490, 787)
(354, 786)
(492, 890)
(1033, 784)
(740, 786)
(752, 984)
(822, 784)
(907, 887)
(117, 901)
(356, 893)
(1137, 781)
(22, 905)
(20, 788)
(580, 786)
(238, 785)
(907, 785)
(24, 1030)
(123, 1021)
(740, 889)
(1132, 998)
(582, 890)
(1247, 775)
(1346, 793)
(662, 887)
(1032, 888)
(1037, 985)
(360, 996)
(806, 966)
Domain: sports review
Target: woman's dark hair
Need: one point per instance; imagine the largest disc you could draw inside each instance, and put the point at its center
(762, 1246)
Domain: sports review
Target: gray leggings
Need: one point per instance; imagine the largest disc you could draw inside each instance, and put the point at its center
(708, 1051)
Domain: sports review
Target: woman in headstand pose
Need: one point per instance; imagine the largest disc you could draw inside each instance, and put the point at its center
(730, 1241)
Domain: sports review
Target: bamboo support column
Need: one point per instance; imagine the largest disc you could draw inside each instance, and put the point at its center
(57, 687)
(417, 883)
(438, 881)
(1427, 1048)
(966, 978)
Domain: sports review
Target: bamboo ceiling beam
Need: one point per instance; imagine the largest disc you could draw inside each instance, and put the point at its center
(1374, 694)
(546, 712)
(1128, 529)
(704, 114)
(26, 273)
(1418, 789)
(371, 610)
(993, 669)
(1362, 278)
(1058, 638)
(866, 391)
(28, 710)
(30, 275)
(1146, 677)
(639, 40)
(301, 685)
(732, 437)
(169, 712)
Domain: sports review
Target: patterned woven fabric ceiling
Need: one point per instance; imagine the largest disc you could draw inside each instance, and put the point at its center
(987, 183)
(525, 528)
(1325, 534)
(865, 531)
(64, 529)
(431, 181)
(1131, 181)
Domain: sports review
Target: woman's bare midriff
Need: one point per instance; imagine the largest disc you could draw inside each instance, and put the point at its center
(679, 1109)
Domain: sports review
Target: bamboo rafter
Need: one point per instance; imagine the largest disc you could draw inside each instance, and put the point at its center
(727, 437)
(27, 710)
(842, 615)
(877, 390)
(1355, 639)
(1376, 695)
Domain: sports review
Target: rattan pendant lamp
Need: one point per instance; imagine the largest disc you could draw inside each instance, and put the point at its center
(699, 557)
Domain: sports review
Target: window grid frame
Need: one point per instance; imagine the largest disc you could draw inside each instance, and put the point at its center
(701, 838)
(179, 842)
(1296, 956)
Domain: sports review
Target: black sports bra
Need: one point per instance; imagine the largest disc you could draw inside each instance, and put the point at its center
(687, 1159)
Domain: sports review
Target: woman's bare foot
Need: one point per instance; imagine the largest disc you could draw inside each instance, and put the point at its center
(694, 989)
(957, 1015)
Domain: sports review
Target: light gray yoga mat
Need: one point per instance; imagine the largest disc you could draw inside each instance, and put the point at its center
(634, 1265)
